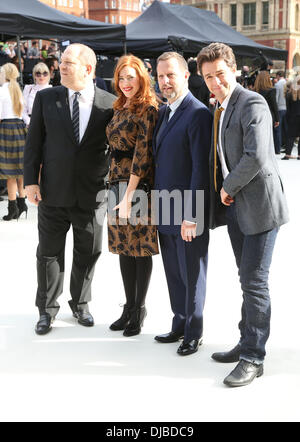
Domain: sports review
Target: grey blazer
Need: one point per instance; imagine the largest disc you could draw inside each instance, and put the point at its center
(254, 180)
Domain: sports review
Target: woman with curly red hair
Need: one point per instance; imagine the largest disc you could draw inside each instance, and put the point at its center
(130, 140)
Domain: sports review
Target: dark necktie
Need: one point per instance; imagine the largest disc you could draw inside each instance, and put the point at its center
(163, 124)
(75, 116)
(217, 116)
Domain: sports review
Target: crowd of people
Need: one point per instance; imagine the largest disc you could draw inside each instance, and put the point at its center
(61, 143)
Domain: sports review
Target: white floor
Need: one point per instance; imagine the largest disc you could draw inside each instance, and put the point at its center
(79, 374)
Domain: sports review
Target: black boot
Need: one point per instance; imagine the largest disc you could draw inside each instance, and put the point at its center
(22, 206)
(13, 211)
(136, 321)
(123, 321)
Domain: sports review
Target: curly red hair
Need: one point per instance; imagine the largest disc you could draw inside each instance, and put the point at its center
(145, 96)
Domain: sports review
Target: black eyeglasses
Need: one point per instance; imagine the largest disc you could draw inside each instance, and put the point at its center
(39, 74)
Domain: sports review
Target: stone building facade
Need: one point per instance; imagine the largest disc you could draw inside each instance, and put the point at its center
(274, 23)
(114, 11)
(75, 7)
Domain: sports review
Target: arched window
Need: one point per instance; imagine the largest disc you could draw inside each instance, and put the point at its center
(296, 62)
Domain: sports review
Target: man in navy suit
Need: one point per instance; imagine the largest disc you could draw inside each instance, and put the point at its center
(181, 146)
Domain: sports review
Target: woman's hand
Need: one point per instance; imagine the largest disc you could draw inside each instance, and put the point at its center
(124, 208)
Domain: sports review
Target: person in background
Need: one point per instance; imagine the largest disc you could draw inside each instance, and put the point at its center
(44, 52)
(34, 51)
(280, 131)
(130, 140)
(12, 140)
(293, 118)
(197, 85)
(53, 66)
(41, 77)
(264, 87)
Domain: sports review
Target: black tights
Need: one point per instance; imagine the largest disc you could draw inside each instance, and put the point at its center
(136, 273)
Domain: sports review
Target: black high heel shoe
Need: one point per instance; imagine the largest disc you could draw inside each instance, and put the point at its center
(13, 211)
(22, 206)
(136, 322)
(122, 322)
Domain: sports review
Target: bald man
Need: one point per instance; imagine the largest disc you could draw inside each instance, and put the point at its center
(67, 138)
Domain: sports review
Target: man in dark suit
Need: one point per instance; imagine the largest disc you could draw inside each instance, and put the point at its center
(247, 195)
(67, 139)
(181, 149)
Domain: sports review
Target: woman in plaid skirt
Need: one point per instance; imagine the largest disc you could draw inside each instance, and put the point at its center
(12, 140)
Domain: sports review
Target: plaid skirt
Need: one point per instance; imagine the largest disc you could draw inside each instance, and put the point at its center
(12, 142)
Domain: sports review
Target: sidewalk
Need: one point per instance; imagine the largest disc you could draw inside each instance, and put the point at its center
(81, 374)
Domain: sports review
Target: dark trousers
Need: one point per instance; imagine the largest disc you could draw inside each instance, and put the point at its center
(253, 254)
(185, 265)
(280, 132)
(290, 145)
(53, 225)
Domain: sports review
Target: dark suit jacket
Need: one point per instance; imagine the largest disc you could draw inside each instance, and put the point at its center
(182, 155)
(72, 173)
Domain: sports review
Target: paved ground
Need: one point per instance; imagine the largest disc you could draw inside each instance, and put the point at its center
(94, 374)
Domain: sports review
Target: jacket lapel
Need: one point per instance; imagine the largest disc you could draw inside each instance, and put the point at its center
(62, 105)
(157, 126)
(174, 119)
(229, 111)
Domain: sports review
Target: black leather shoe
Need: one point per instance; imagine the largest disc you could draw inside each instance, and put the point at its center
(84, 317)
(243, 374)
(228, 356)
(188, 348)
(123, 321)
(44, 324)
(169, 337)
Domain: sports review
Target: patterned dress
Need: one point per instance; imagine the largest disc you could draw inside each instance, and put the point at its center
(133, 135)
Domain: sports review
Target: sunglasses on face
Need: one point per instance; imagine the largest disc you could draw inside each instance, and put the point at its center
(39, 74)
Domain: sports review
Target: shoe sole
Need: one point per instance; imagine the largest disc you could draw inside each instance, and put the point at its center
(229, 361)
(85, 324)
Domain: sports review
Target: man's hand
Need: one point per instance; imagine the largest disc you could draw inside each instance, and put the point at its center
(188, 231)
(33, 194)
(225, 198)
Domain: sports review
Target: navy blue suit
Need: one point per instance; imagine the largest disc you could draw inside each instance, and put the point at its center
(182, 162)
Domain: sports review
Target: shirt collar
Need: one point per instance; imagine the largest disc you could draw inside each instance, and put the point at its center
(226, 101)
(86, 93)
(178, 102)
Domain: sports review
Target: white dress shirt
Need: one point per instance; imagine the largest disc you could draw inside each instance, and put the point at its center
(224, 105)
(6, 106)
(175, 105)
(85, 101)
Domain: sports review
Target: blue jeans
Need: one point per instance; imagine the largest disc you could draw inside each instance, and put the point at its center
(253, 254)
(280, 132)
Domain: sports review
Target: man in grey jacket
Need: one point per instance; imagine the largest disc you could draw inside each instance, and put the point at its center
(247, 195)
